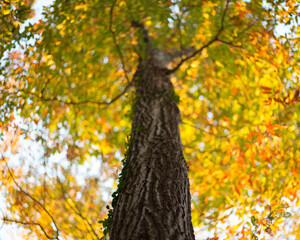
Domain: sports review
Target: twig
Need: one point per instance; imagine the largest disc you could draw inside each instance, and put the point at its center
(214, 39)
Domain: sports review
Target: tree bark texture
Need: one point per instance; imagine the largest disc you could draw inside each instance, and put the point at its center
(155, 203)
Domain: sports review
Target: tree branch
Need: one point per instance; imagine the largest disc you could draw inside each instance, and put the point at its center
(161, 57)
(115, 41)
(5, 219)
(214, 39)
(34, 200)
(76, 210)
(144, 41)
(229, 43)
(71, 102)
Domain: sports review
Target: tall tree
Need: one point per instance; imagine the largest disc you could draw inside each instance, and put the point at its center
(77, 80)
(154, 201)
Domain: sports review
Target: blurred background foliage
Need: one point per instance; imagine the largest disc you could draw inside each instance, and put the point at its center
(66, 98)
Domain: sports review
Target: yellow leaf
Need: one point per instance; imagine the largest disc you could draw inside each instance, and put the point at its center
(60, 26)
(195, 63)
(81, 6)
(226, 160)
(148, 23)
(192, 72)
(206, 15)
(219, 64)
(68, 71)
(235, 227)
(279, 221)
(122, 3)
(6, 12)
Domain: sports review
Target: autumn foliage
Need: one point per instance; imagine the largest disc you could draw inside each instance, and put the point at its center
(65, 109)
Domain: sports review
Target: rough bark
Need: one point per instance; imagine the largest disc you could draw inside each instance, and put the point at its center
(155, 203)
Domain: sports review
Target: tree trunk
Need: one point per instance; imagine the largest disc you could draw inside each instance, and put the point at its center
(155, 202)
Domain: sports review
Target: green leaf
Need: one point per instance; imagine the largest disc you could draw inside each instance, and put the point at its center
(286, 214)
(254, 220)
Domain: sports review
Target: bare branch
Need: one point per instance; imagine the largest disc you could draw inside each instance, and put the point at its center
(71, 102)
(76, 210)
(121, 94)
(4, 219)
(214, 39)
(34, 200)
(115, 41)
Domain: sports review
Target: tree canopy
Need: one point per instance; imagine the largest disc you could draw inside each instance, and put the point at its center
(66, 104)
